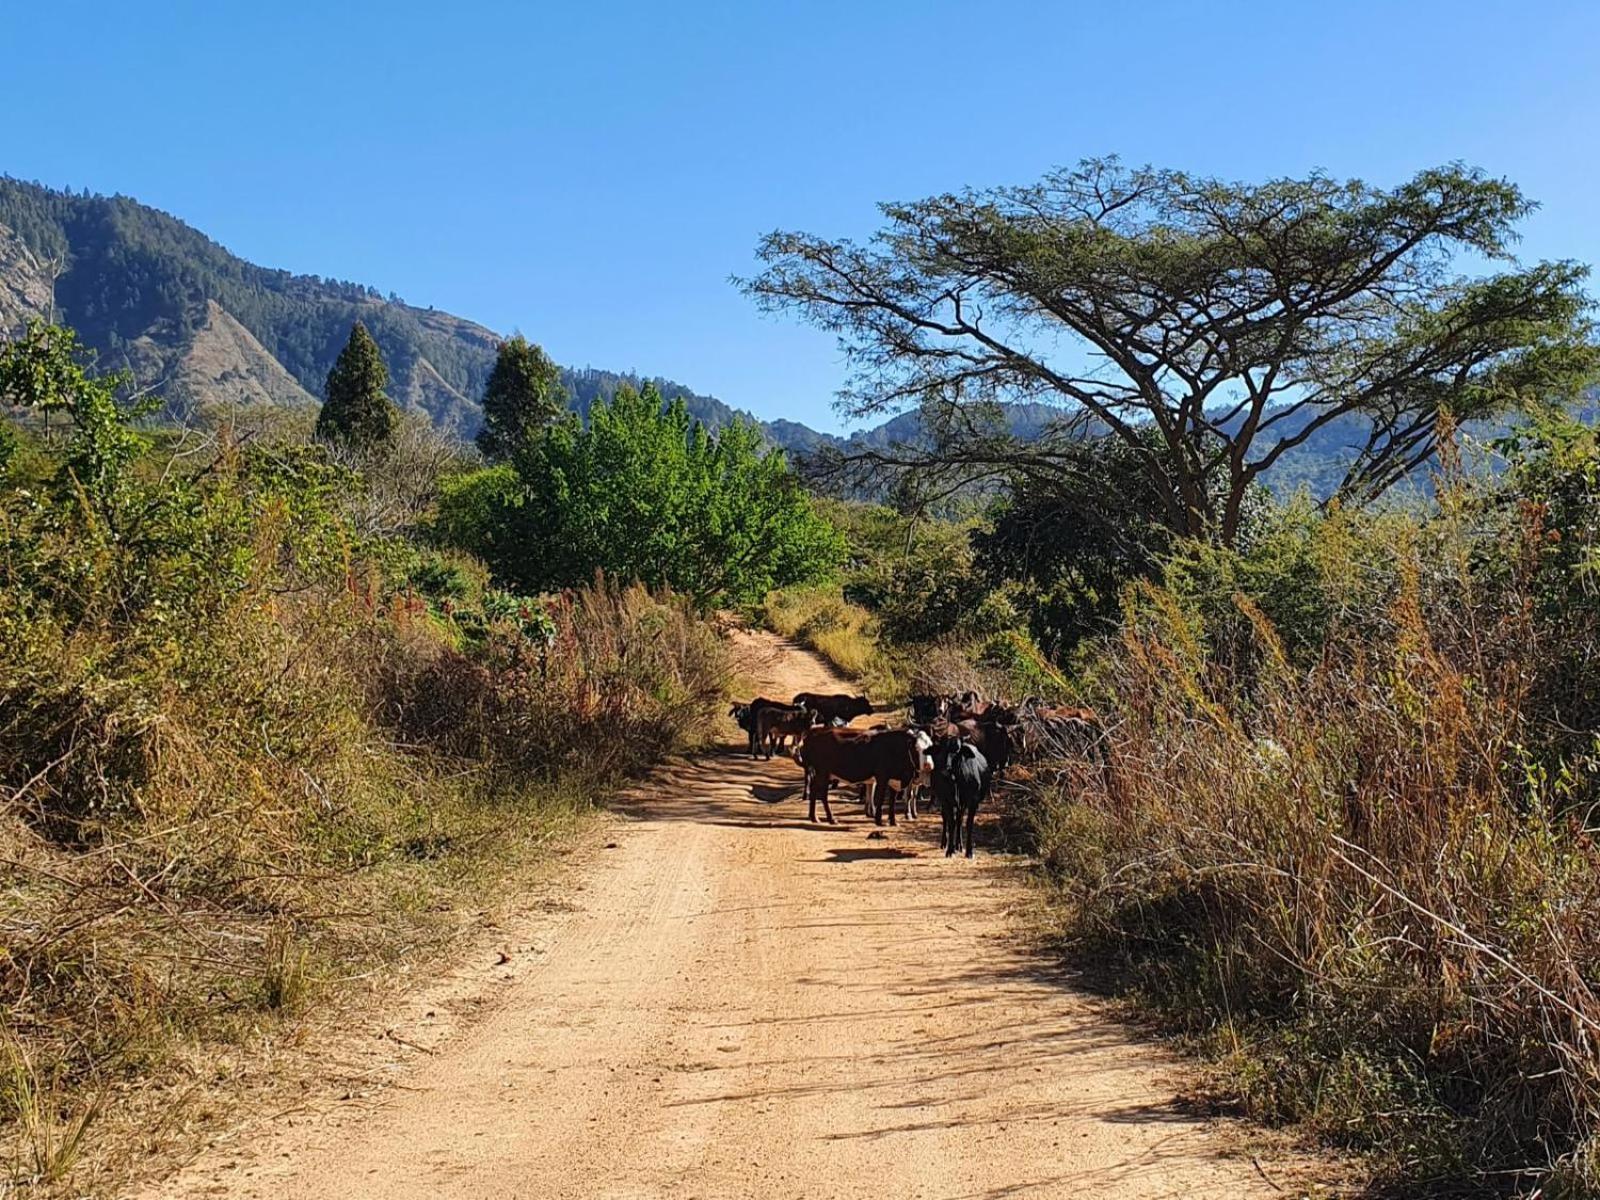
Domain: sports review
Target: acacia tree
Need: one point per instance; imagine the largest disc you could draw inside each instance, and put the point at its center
(523, 395)
(1211, 327)
(356, 412)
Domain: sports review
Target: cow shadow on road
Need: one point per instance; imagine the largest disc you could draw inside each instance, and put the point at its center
(850, 854)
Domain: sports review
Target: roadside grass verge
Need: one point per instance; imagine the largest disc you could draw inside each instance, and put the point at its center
(843, 633)
(1341, 876)
(205, 850)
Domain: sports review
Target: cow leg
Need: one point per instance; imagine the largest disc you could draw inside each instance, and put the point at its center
(811, 794)
(972, 817)
(826, 783)
(888, 794)
(949, 827)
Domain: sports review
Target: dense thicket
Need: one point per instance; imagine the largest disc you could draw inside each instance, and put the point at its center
(643, 492)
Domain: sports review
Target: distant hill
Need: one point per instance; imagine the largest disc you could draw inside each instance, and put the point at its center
(202, 325)
(154, 295)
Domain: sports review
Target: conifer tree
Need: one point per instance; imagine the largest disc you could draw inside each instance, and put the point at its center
(356, 411)
(523, 395)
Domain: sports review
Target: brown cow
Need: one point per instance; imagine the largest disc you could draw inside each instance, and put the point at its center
(834, 706)
(746, 716)
(777, 722)
(858, 756)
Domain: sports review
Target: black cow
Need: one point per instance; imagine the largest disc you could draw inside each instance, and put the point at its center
(961, 778)
(746, 716)
(833, 706)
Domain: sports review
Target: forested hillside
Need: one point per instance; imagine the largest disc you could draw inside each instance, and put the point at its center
(155, 295)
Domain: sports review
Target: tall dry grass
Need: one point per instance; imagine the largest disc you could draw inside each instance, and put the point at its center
(198, 848)
(1341, 871)
(843, 633)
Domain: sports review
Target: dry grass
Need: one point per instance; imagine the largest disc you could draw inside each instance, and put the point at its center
(843, 633)
(1345, 880)
(202, 853)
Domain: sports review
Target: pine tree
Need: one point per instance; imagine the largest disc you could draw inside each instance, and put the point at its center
(356, 411)
(523, 395)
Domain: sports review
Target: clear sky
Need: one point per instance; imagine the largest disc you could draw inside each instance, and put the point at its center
(593, 172)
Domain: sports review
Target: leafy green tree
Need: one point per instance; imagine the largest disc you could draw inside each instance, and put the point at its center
(523, 395)
(357, 412)
(48, 370)
(1236, 321)
(644, 492)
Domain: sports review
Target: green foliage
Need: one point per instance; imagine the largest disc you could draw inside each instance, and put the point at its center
(356, 411)
(1074, 539)
(1239, 320)
(917, 576)
(643, 492)
(46, 370)
(477, 511)
(524, 394)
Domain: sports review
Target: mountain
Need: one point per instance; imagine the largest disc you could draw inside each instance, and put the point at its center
(152, 294)
(203, 326)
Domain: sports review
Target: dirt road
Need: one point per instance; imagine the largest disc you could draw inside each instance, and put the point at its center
(742, 1005)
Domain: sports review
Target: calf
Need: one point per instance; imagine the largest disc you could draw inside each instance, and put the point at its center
(857, 756)
(777, 722)
(961, 778)
(747, 715)
(834, 706)
(926, 709)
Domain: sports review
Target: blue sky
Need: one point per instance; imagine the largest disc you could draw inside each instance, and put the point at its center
(592, 173)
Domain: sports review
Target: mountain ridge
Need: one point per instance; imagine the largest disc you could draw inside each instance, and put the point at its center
(141, 286)
(201, 325)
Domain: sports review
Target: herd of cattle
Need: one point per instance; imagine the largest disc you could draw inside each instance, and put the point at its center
(952, 749)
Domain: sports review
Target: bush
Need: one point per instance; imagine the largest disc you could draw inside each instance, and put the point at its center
(644, 493)
(1335, 849)
(250, 748)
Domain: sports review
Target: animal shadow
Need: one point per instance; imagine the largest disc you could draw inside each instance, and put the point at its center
(849, 854)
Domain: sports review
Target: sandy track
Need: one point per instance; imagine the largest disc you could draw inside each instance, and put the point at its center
(742, 1005)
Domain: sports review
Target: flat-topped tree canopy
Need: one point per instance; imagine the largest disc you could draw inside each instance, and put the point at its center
(1210, 326)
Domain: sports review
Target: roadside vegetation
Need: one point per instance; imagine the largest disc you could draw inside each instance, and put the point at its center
(264, 732)
(1345, 845)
